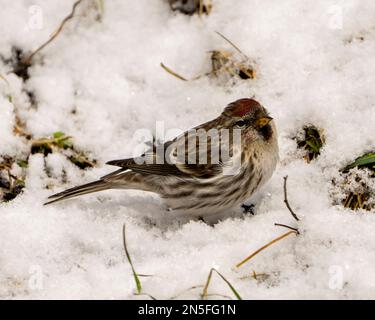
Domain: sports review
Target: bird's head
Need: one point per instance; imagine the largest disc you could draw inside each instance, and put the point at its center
(249, 116)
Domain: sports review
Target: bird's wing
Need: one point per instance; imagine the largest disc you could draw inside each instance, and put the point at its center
(180, 157)
(163, 169)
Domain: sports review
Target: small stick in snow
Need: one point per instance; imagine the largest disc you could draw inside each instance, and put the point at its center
(27, 60)
(286, 200)
(265, 247)
(286, 226)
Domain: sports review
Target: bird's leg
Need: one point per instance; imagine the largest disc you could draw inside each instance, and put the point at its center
(248, 208)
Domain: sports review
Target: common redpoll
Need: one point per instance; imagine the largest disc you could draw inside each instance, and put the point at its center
(208, 169)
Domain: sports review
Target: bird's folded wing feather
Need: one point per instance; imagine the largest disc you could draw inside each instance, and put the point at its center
(172, 164)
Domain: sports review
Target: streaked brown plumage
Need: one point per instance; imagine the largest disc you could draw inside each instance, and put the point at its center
(195, 186)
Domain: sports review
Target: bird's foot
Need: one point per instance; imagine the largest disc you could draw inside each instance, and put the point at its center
(248, 208)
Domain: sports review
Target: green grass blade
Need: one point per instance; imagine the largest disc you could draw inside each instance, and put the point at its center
(58, 134)
(136, 278)
(205, 289)
(312, 145)
(367, 159)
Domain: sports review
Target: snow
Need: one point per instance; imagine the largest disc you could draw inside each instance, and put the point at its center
(100, 81)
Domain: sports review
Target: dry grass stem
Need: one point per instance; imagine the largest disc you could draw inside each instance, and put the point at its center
(27, 60)
(265, 247)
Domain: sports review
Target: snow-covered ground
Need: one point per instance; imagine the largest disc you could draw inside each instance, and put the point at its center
(315, 63)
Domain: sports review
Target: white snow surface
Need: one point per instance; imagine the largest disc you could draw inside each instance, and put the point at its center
(312, 67)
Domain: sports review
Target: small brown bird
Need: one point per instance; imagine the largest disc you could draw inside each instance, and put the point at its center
(201, 176)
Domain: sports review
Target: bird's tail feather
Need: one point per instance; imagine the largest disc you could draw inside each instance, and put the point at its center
(95, 186)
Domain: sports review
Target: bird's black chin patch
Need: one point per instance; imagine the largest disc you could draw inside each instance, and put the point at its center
(266, 132)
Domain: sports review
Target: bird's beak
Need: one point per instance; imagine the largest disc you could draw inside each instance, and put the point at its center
(261, 122)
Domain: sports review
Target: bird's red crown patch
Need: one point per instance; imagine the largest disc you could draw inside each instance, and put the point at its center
(243, 106)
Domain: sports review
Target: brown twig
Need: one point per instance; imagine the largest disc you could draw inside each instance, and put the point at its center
(286, 200)
(286, 226)
(265, 247)
(27, 60)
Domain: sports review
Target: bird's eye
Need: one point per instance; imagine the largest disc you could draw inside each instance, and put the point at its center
(240, 123)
